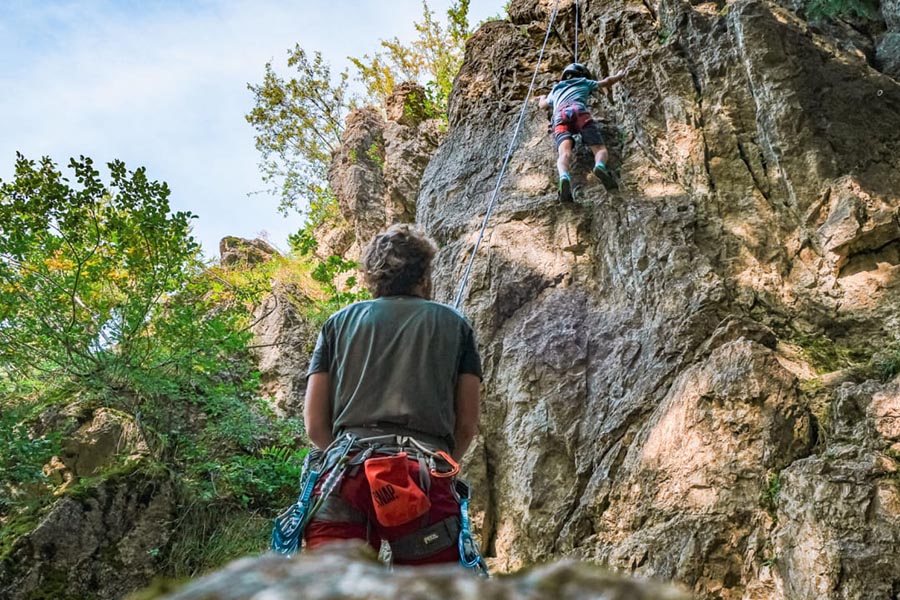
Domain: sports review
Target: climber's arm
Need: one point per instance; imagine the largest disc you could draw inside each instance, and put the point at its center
(468, 409)
(317, 410)
(613, 79)
(542, 101)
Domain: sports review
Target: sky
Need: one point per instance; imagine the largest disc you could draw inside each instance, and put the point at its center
(163, 84)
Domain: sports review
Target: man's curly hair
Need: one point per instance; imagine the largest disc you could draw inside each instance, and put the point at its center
(397, 260)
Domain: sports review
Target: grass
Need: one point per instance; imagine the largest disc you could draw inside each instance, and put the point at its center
(827, 356)
(885, 364)
(208, 536)
(769, 497)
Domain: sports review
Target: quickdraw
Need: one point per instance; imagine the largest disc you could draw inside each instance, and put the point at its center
(288, 527)
(287, 530)
(469, 553)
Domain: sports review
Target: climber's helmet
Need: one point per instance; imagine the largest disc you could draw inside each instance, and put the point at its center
(575, 70)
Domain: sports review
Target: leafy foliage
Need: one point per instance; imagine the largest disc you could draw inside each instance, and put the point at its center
(433, 59)
(22, 455)
(339, 288)
(298, 124)
(769, 496)
(299, 120)
(104, 301)
(85, 272)
(826, 356)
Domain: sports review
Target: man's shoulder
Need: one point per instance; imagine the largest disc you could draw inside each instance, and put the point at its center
(446, 312)
(348, 311)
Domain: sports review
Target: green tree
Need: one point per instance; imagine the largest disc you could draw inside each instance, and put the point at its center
(105, 302)
(433, 59)
(299, 120)
(85, 269)
(102, 286)
(298, 123)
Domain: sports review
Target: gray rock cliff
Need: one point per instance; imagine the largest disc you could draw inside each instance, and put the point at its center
(657, 395)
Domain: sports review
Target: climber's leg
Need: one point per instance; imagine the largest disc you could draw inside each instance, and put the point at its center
(564, 145)
(591, 136)
(601, 155)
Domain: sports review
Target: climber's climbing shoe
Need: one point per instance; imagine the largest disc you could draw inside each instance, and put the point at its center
(605, 176)
(565, 189)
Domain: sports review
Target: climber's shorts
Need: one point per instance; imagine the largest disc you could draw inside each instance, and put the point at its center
(349, 514)
(572, 119)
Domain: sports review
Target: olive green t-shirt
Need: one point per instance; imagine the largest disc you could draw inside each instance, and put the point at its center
(395, 361)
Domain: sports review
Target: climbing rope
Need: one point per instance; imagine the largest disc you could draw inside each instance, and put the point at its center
(576, 31)
(512, 142)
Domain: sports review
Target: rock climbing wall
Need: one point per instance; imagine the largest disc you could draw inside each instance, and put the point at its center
(649, 401)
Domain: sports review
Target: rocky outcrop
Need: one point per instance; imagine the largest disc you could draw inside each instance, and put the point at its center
(887, 52)
(239, 251)
(103, 543)
(105, 438)
(283, 340)
(376, 172)
(646, 404)
(666, 389)
(283, 336)
(350, 571)
(839, 509)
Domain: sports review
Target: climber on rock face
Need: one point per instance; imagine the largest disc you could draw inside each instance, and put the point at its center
(399, 378)
(568, 100)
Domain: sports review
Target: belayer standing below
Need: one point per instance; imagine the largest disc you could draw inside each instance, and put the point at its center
(568, 100)
(393, 399)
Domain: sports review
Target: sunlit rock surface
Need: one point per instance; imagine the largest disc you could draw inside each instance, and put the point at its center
(375, 173)
(656, 393)
(667, 389)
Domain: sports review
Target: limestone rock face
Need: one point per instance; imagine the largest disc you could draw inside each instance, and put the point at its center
(283, 342)
(376, 172)
(283, 337)
(888, 53)
(103, 440)
(645, 402)
(235, 250)
(102, 545)
(348, 572)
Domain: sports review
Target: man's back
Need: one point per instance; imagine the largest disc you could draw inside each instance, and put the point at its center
(571, 90)
(395, 361)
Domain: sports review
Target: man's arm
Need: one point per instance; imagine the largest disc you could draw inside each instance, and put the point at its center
(468, 409)
(317, 412)
(542, 101)
(612, 79)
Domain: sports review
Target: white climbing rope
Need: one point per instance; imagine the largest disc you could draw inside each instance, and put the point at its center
(576, 31)
(512, 142)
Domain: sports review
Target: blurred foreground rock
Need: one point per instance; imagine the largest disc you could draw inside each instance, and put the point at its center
(351, 571)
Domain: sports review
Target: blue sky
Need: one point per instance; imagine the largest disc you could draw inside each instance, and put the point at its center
(163, 84)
